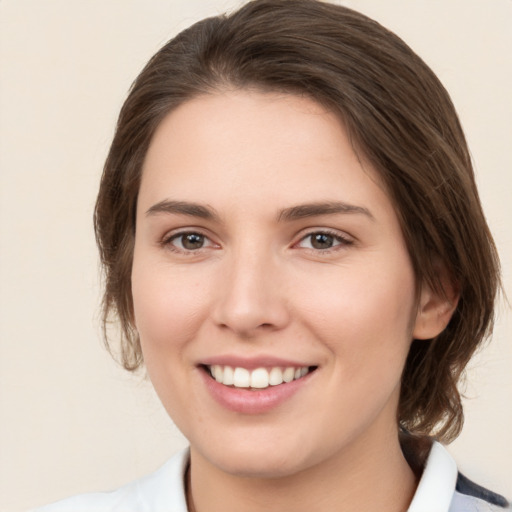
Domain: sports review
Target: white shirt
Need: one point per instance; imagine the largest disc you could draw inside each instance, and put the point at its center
(164, 491)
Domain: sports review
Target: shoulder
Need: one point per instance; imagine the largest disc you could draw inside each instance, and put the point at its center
(443, 489)
(160, 491)
(471, 497)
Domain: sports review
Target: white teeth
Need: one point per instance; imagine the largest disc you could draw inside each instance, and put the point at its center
(260, 378)
(241, 378)
(275, 377)
(289, 374)
(228, 376)
(217, 372)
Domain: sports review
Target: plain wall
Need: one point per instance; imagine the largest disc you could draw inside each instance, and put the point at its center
(71, 420)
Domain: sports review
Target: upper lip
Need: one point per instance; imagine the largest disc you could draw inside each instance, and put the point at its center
(251, 363)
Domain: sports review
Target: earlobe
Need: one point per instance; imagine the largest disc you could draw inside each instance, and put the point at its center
(435, 309)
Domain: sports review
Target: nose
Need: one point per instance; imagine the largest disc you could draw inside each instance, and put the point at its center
(251, 295)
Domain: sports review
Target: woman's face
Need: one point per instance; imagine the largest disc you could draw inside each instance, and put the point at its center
(264, 250)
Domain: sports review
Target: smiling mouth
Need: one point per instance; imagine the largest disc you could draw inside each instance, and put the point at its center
(259, 378)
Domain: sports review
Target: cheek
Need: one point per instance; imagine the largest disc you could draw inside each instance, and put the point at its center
(167, 307)
(363, 317)
(168, 311)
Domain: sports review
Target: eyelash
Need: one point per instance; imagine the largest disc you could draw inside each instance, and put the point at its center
(343, 241)
(337, 237)
(167, 242)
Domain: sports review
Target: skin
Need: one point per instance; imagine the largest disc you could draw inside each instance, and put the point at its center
(258, 286)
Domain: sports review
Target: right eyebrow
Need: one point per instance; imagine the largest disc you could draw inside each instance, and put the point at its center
(183, 208)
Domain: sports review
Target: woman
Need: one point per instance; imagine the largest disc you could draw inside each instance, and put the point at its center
(295, 248)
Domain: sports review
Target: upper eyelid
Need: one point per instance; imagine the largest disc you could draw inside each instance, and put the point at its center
(166, 242)
(330, 231)
(173, 233)
(344, 241)
(304, 233)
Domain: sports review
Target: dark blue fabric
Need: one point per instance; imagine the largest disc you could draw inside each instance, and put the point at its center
(466, 486)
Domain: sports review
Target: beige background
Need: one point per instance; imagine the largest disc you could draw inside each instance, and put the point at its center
(71, 421)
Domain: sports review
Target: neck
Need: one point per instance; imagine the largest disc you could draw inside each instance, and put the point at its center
(364, 477)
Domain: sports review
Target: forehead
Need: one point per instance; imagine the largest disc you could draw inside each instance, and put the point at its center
(243, 145)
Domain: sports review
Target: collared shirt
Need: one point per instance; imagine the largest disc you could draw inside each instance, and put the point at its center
(441, 489)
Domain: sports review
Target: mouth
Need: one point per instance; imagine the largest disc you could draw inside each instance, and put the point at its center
(258, 378)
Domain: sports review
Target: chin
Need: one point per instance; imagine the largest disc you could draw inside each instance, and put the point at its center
(259, 465)
(262, 458)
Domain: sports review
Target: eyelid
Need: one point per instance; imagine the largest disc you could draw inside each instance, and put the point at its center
(342, 237)
(166, 240)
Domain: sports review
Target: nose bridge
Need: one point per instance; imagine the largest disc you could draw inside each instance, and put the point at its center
(250, 292)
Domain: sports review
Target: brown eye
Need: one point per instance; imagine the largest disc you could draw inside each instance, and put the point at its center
(191, 241)
(188, 241)
(322, 240)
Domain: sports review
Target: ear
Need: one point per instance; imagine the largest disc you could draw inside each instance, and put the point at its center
(435, 309)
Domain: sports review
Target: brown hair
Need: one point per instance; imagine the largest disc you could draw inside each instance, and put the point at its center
(399, 117)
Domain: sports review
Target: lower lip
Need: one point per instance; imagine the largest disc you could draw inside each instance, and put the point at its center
(246, 401)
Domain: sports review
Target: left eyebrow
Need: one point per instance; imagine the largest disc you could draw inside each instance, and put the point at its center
(315, 209)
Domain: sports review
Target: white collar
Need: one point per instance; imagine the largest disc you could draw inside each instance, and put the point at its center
(437, 484)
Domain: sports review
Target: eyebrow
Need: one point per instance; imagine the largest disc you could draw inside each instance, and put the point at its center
(183, 208)
(316, 209)
(288, 214)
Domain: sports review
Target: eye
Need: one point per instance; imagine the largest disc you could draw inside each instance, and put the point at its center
(323, 240)
(187, 242)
